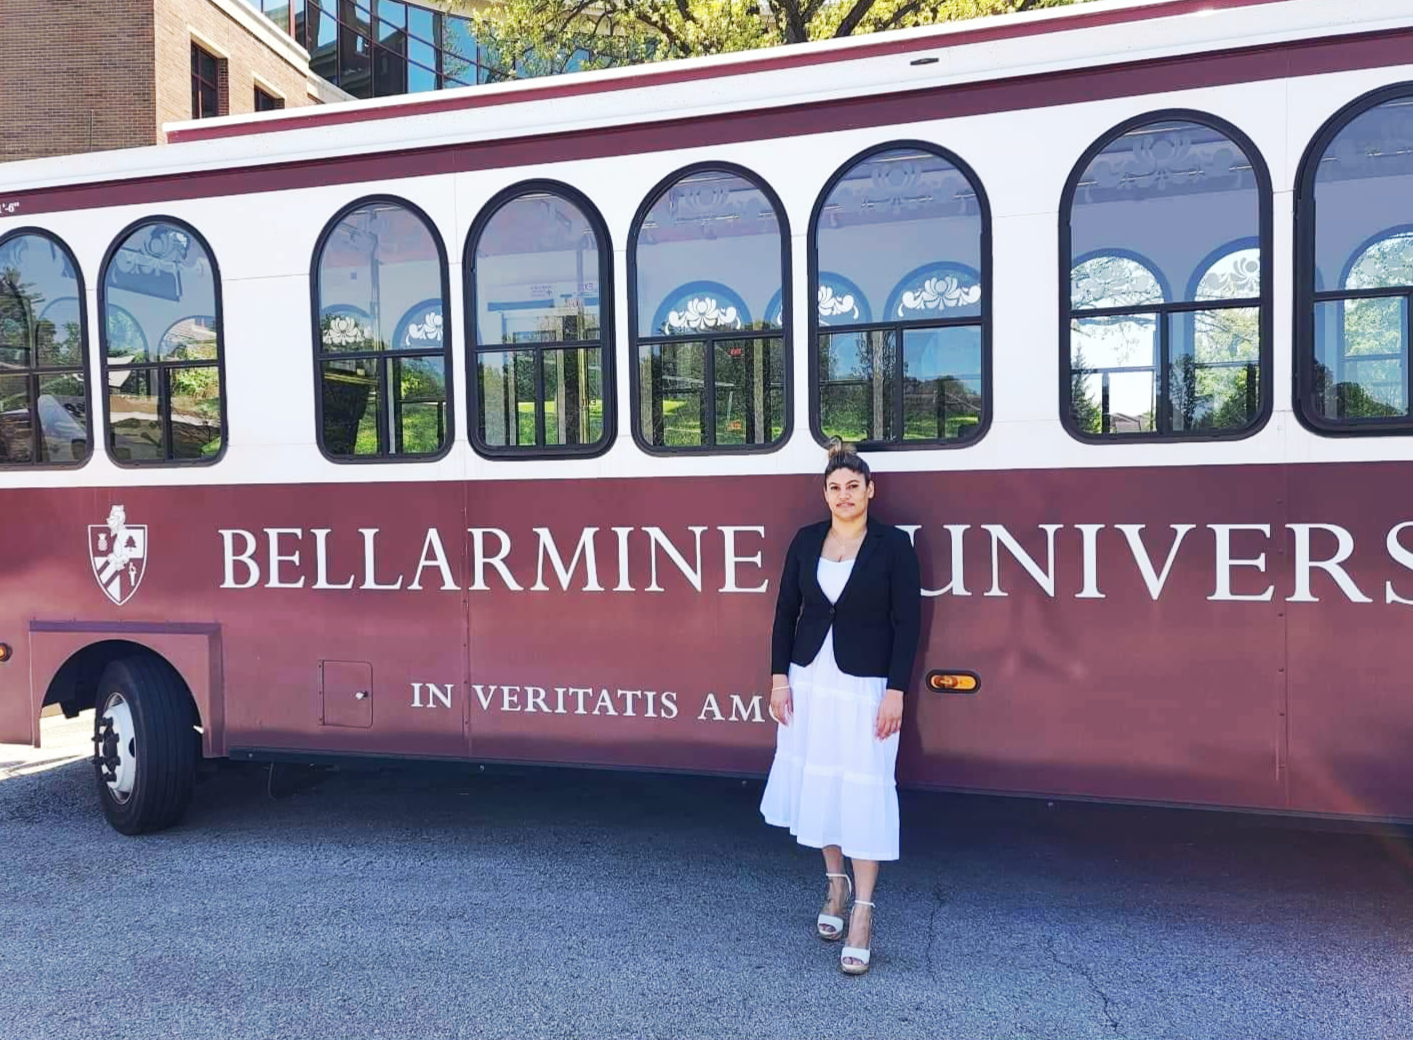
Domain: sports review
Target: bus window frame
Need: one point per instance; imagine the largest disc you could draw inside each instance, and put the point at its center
(315, 311)
(1306, 292)
(219, 316)
(1162, 312)
(984, 279)
(782, 221)
(81, 289)
(607, 341)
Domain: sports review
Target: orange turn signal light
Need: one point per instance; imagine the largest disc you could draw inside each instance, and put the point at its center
(953, 682)
(5, 652)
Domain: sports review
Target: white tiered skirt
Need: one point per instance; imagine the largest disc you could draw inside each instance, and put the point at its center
(832, 781)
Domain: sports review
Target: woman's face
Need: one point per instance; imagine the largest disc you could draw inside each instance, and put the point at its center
(847, 493)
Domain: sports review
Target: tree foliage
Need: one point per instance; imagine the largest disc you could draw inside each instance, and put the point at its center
(543, 37)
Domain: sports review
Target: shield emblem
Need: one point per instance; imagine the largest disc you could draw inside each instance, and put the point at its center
(118, 553)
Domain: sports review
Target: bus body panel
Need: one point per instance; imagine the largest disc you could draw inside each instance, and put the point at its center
(1350, 658)
(1131, 662)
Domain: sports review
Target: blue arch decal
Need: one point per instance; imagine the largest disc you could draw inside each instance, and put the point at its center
(1124, 254)
(1211, 258)
(414, 329)
(839, 288)
(1369, 243)
(939, 269)
(699, 290)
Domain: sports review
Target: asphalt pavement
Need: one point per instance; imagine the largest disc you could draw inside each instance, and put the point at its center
(439, 903)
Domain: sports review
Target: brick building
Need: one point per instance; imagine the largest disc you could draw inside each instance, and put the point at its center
(100, 74)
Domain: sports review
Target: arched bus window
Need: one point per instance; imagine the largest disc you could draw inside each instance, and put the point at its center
(710, 296)
(539, 295)
(900, 324)
(1354, 268)
(382, 349)
(1165, 230)
(43, 353)
(160, 302)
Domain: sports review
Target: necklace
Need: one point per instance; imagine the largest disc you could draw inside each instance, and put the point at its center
(843, 545)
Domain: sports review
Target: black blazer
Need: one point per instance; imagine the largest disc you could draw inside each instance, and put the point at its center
(875, 619)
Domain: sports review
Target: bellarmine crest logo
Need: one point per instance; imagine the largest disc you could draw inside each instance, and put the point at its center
(118, 552)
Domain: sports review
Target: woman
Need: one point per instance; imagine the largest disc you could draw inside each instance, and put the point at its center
(846, 631)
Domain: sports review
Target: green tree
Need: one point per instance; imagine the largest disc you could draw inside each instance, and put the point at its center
(1083, 408)
(543, 37)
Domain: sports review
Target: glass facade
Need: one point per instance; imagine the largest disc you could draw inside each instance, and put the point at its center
(380, 48)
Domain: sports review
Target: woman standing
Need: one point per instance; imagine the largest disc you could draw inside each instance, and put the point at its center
(846, 632)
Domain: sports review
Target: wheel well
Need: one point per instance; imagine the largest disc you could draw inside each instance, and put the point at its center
(75, 685)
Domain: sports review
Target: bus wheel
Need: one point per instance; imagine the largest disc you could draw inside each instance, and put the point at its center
(145, 754)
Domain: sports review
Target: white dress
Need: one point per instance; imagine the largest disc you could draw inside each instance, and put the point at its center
(832, 780)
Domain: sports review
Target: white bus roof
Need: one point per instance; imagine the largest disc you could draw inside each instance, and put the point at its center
(1025, 47)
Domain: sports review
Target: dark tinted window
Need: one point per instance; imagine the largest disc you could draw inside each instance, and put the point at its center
(382, 349)
(43, 354)
(709, 368)
(162, 347)
(899, 302)
(1163, 332)
(1356, 364)
(543, 357)
(205, 85)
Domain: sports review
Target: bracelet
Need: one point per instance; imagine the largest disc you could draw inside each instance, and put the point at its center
(785, 687)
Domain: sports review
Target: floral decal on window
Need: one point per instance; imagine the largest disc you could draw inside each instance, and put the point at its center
(701, 307)
(344, 330)
(428, 331)
(1113, 280)
(1384, 264)
(420, 327)
(1235, 276)
(838, 301)
(703, 312)
(934, 289)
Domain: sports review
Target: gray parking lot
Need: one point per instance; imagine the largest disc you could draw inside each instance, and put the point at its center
(449, 903)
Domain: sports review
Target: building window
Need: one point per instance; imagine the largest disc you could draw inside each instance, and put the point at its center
(43, 354)
(278, 11)
(376, 48)
(1353, 337)
(205, 84)
(542, 324)
(1166, 325)
(160, 301)
(709, 257)
(381, 344)
(267, 102)
(900, 321)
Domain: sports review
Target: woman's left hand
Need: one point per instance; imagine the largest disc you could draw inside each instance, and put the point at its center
(890, 715)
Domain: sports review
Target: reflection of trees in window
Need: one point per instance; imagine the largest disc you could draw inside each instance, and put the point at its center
(381, 348)
(164, 403)
(1355, 188)
(43, 394)
(1361, 335)
(709, 373)
(907, 222)
(1140, 358)
(541, 292)
(931, 388)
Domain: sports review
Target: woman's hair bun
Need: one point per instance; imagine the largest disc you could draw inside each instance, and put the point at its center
(837, 447)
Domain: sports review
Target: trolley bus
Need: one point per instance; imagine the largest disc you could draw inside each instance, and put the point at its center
(476, 426)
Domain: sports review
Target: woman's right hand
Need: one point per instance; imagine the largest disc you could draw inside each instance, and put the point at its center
(782, 706)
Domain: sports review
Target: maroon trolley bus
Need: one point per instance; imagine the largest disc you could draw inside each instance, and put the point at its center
(476, 426)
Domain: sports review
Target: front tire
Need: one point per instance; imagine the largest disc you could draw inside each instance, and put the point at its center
(145, 746)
